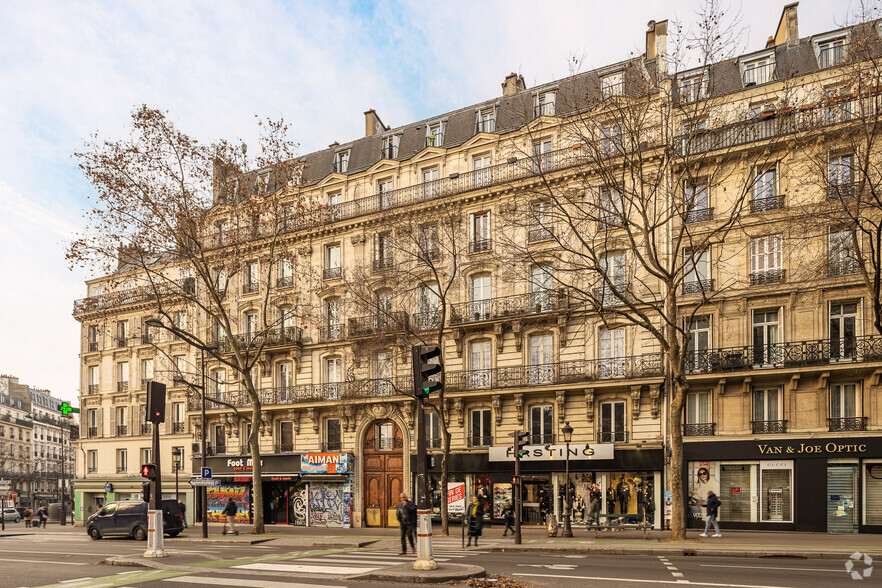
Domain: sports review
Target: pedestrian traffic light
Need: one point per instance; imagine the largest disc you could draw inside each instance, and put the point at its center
(145, 491)
(148, 470)
(424, 368)
(521, 444)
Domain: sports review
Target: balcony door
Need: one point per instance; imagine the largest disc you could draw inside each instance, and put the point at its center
(613, 427)
(541, 288)
(541, 424)
(612, 353)
(767, 410)
(699, 344)
(479, 365)
(480, 298)
(284, 381)
(843, 321)
(541, 350)
(765, 338)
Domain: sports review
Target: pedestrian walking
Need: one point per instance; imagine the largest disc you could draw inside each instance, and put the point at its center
(28, 517)
(406, 513)
(475, 517)
(508, 515)
(230, 511)
(42, 516)
(183, 509)
(712, 506)
(594, 505)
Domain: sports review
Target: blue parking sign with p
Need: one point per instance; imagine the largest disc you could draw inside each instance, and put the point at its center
(206, 472)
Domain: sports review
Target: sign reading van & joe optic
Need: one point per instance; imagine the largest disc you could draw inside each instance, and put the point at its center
(325, 463)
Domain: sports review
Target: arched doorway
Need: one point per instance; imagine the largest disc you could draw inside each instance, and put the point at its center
(383, 452)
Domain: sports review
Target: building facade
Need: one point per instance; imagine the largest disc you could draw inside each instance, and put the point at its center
(53, 454)
(782, 418)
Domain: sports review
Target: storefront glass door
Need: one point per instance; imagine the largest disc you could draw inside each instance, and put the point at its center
(841, 499)
(536, 500)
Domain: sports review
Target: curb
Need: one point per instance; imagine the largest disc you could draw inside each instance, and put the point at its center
(405, 574)
(686, 552)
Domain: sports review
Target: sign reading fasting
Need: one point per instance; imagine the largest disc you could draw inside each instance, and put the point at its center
(552, 452)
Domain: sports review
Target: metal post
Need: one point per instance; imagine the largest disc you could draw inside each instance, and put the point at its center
(568, 530)
(424, 560)
(63, 514)
(516, 489)
(202, 489)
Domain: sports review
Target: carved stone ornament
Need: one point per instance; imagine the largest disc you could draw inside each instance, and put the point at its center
(266, 426)
(380, 410)
(497, 409)
(304, 250)
(457, 341)
(294, 415)
(519, 408)
(655, 396)
(312, 413)
(635, 401)
(561, 400)
(408, 409)
(589, 405)
(499, 331)
(457, 406)
(562, 328)
(517, 329)
(357, 239)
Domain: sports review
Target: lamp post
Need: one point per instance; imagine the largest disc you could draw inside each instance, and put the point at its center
(155, 322)
(176, 460)
(568, 436)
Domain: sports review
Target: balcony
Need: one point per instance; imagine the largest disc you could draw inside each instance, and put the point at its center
(92, 346)
(612, 436)
(480, 441)
(539, 233)
(285, 336)
(568, 372)
(146, 428)
(839, 191)
(121, 341)
(284, 281)
(767, 203)
(759, 74)
(506, 307)
(763, 427)
(144, 382)
(770, 276)
(389, 152)
(698, 286)
(178, 427)
(250, 287)
(332, 273)
(847, 424)
(842, 267)
(699, 215)
(122, 386)
(383, 263)
(122, 430)
(381, 324)
(698, 430)
(480, 245)
(435, 140)
(92, 389)
(134, 295)
(426, 321)
(93, 432)
(330, 333)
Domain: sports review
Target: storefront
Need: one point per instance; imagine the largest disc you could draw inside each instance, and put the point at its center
(629, 481)
(310, 489)
(832, 485)
(91, 494)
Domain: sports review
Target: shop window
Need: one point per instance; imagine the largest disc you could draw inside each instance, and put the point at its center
(612, 422)
(775, 497)
(479, 427)
(873, 494)
(541, 424)
(333, 436)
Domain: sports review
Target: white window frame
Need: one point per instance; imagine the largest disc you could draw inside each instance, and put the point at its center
(544, 103)
(766, 254)
(480, 418)
(546, 431)
(697, 403)
(757, 70)
(612, 352)
(613, 433)
(341, 161)
(612, 85)
(485, 121)
(480, 364)
(435, 133)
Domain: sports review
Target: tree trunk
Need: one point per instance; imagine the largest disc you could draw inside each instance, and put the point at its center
(257, 487)
(675, 421)
(445, 451)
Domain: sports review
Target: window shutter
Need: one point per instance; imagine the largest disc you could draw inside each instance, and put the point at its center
(754, 255)
(113, 421)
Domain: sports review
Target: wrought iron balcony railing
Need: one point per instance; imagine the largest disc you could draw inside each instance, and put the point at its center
(480, 245)
(93, 431)
(122, 430)
(699, 215)
(329, 333)
(847, 424)
(539, 233)
(770, 276)
(767, 203)
(122, 386)
(383, 263)
(760, 427)
(284, 281)
(332, 273)
(134, 295)
(146, 428)
(93, 388)
(480, 441)
(426, 321)
(92, 346)
(612, 436)
(791, 354)
(842, 267)
(531, 303)
(250, 287)
(377, 324)
(178, 427)
(698, 429)
(698, 286)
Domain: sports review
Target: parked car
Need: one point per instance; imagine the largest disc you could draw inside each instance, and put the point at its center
(11, 515)
(129, 517)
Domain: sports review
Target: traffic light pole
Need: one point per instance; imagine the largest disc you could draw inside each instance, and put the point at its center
(516, 488)
(425, 559)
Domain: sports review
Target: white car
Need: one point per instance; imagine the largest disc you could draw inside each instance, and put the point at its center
(10, 515)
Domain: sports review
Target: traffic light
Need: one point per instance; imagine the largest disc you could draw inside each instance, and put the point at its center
(148, 470)
(423, 370)
(145, 491)
(521, 444)
(155, 402)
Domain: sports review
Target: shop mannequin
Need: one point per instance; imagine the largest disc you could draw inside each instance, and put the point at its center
(623, 494)
(610, 500)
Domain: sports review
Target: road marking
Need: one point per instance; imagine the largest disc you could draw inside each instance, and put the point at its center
(243, 582)
(642, 581)
(550, 566)
(837, 571)
(44, 561)
(334, 571)
(76, 580)
(353, 561)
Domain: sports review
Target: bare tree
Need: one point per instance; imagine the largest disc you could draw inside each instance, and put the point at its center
(176, 221)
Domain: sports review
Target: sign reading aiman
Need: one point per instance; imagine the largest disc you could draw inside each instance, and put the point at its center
(554, 452)
(456, 498)
(324, 463)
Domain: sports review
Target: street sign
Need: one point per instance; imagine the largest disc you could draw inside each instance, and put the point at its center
(204, 482)
(206, 473)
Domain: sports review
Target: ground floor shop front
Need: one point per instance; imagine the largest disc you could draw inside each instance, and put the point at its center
(629, 482)
(811, 484)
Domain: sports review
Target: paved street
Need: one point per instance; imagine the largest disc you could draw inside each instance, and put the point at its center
(67, 558)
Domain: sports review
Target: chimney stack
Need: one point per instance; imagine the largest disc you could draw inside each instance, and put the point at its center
(657, 45)
(788, 27)
(372, 124)
(513, 84)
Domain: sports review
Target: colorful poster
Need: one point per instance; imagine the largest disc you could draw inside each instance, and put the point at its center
(324, 463)
(217, 502)
(704, 476)
(456, 498)
(501, 493)
(328, 505)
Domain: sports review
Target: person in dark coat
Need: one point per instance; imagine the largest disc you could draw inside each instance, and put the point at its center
(183, 510)
(406, 513)
(230, 510)
(508, 515)
(713, 506)
(42, 516)
(475, 518)
(594, 505)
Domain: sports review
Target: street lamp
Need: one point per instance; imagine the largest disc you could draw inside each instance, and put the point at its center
(155, 322)
(176, 460)
(568, 436)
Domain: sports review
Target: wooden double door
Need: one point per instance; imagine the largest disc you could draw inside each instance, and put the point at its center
(383, 453)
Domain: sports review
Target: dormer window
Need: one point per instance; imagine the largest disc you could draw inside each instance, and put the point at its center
(831, 52)
(486, 122)
(543, 104)
(435, 134)
(692, 88)
(390, 146)
(758, 71)
(613, 85)
(341, 162)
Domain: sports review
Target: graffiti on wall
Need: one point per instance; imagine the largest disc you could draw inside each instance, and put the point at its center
(298, 506)
(328, 505)
(217, 502)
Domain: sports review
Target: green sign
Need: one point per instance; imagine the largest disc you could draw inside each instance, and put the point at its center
(65, 409)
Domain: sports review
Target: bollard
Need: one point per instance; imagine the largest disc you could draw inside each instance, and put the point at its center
(424, 560)
(155, 542)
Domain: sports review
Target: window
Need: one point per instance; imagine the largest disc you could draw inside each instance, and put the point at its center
(219, 436)
(486, 121)
(390, 146)
(93, 379)
(341, 162)
(93, 338)
(284, 379)
(383, 251)
(613, 85)
(541, 357)
(480, 304)
(614, 270)
(612, 140)
(699, 343)
(431, 186)
(122, 333)
(612, 353)
(385, 190)
(542, 156)
(480, 232)
(286, 316)
(218, 384)
(766, 265)
(335, 205)
(219, 278)
(843, 401)
(696, 270)
(541, 424)
(250, 326)
(831, 53)
(178, 409)
(285, 274)
(250, 278)
(766, 351)
(92, 420)
(843, 322)
(122, 376)
(429, 303)
(146, 455)
(698, 412)
(146, 372)
(759, 71)
(480, 374)
(696, 203)
(433, 429)
(333, 435)
(612, 422)
(180, 363)
(121, 460)
(333, 377)
(542, 294)
(612, 208)
(482, 170)
(383, 374)
(767, 404)
(429, 246)
(540, 222)
(333, 262)
(479, 427)
(93, 461)
(543, 104)
(435, 134)
(331, 330)
(286, 437)
(179, 320)
(765, 195)
(840, 176)
(692, 88)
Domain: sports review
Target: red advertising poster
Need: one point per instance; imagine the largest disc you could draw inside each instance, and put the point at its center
(456, 498)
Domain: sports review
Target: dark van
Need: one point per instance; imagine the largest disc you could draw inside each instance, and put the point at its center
(129, 517)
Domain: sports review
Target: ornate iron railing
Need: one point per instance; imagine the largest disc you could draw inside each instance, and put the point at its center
(698, 429)
(612, 436)
(332, 332)
(699, 215)
(536, 234)
(426, 321)
(509, 306)
(122, 430)
(770, 276)
(842, 267)
(480, 245)
(760, 427)
(178, 427)
(284, 281)
(93, 389)
(847, 424)
(366, 326)
(767, 203)
(698, 286)
(250, 287)
(837, 191)
(133, 295)
(383, 263)
(480, 441)
(146, 428)
(331, 273)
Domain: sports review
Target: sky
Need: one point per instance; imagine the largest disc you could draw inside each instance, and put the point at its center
(69, 69)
